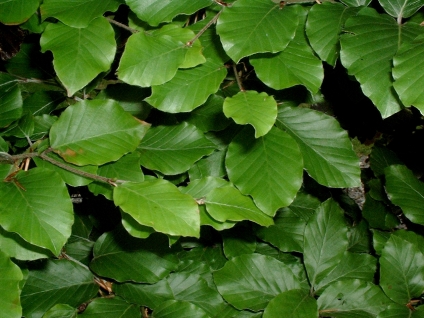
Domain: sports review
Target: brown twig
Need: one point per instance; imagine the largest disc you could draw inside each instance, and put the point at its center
(121, 25)
(199, 34)
(239, 83)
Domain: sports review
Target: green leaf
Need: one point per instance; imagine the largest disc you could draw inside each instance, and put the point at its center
(160, 205)
(293, 303)
(10, 100)
(256, 26)
(189, 88)
(56, 282)
(381, 158)
(134, 228)
(407, 80)
(91, 50)
(78, 13)
(9, 14)
(401, 8)
(406, 191)
(352, 298)
(36, 205)
(178, 308)
(173, 149)
(228, 204)
(325, 241)
(111, 308)
(95, 132)
(395, 311)
(401, 270)
(238, 241)
(275, 164)
(367, 49)
(325, 22)
(156, 11)
(250, 281)
(296, 65)
(11, 276)
(356, 3)
(326, 149)
(251, 107)
(379, 239)
(61, 311)
(124, 258)
(378, 215)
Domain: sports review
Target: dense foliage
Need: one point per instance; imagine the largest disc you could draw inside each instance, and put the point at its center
(249, 158)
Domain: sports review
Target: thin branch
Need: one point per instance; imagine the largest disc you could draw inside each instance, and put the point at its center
(199, 34)
(121, 25)
(239, 83)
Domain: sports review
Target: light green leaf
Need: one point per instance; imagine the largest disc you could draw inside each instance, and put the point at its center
(61, 311)
(228, 204)
(256, 26)
(173, 149)
(296, 65)
(77, 13)
(124, 258)
(10, 100)
(189, 88)
(325, 241)
(36, 205)
(52, 282)
(325, 22)
(159, 204)
(408, 80)
(367, 49)
(111, 308)
(293, 303)
(251, 107)
(91, 50)
(268, 168)
(9, 14)
(250, 281)
(356, 3)
(401, 8)
(326, 149)
(401, 270)
(134, 228)
(179, 308)
(95, 132)
(406, 191)
(212, 165)
(352, 299)
(11, 276)
(396, 311)
(156, 11)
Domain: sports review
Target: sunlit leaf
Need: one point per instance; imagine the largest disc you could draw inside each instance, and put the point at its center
(401, 8)
(11, 275)
(356, 3)
(10, 15)
(293, 303)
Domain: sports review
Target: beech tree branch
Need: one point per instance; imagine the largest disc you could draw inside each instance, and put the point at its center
(199, 34)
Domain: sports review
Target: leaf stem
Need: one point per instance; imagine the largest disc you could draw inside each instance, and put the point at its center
(239, 83)
(199, 34)
(121, 25)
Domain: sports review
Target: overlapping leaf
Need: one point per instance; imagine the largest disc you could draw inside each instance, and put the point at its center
(159, 204)
(77, 13)
(173, 149)
(111, 308)
(10, 303)
(367, 50)
(326, 149)
(10, 100)
(401, 8)
(189, 88)
(36, 205)
(91, 50)
(356, 3)
(95, 132)
(61, 310)
(186, 309)
(293, 303)
(256, 26)
(9, 14)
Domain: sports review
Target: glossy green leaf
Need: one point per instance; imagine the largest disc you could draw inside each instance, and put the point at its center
(367, 49)
(156, 11)
(406, 191)
(52, 282)
(293, 303)
(352, 298)
(325, 241)
(250, 281)
(95, 132)
(91, 50)
(359, 237)
(61, 311)
(10, 100)
(9, 14)
(173, 155)
(11, 275)
(401, 8)
(70, 13)
(150, 60)
(268, 168)
(401, 270)
(111, 308)
(228, 204)
(326, 148)
(325, 22)
(189, 88)
(296, 65)
(251, 107)
(256, 26)
(124, 258)
(36, 205)
(160, 205)
(134, 228)
(178, 308)
(356, 3)
(407, 80)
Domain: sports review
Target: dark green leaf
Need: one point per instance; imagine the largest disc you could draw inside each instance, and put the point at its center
(238, 241)
(381, 158)
(293, 303)
(10, 100)
(178, 308)
(111, 308)
(61, 311)
(378, 214)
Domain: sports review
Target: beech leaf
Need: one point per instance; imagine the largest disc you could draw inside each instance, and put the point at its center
(11, 276)
(293, 303)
